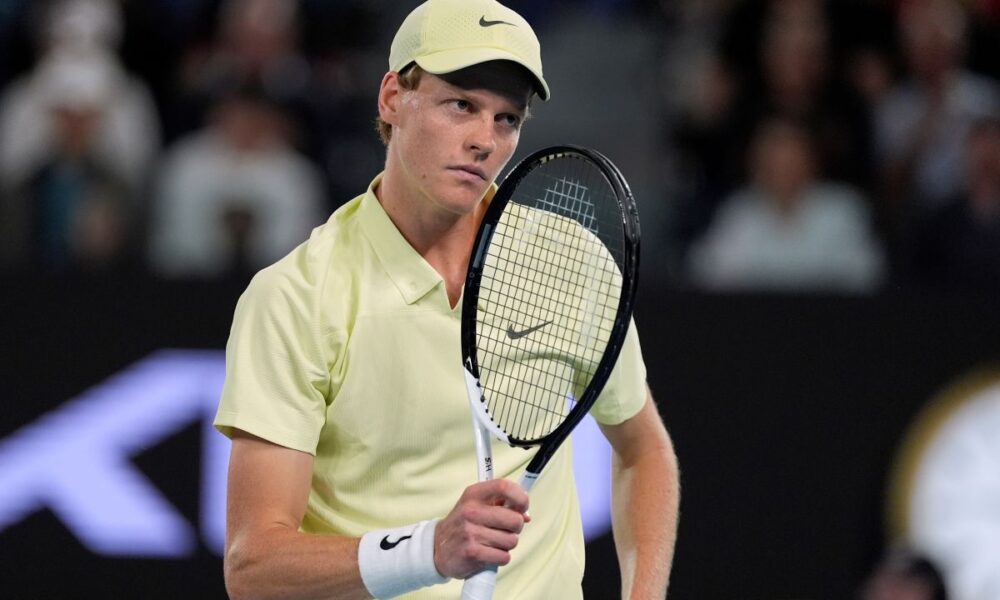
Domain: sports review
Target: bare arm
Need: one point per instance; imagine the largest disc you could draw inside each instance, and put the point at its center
(645, 500)
(268, 557)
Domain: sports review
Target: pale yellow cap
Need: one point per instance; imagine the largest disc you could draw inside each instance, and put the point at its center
(443, 36)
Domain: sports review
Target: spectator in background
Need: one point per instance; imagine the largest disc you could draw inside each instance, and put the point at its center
(923, 124)
(776, 58)
(800, 79)
(72, 206)
(257, 43)
(984, 43)
(235, 196)
(958, 245)
(261, 43)
(128, 136)
(345, 38)
(904, 575)
(788, 229)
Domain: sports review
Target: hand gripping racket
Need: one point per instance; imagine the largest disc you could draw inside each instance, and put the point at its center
(546, 306)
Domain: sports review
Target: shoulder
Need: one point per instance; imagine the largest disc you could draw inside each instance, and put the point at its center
(294, 166)
(837, 199)
(742, 206)
(973, 87)
(312, 278)
(196, 151)
(330, 247)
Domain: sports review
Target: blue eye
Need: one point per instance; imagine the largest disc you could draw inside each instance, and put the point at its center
(512, 121)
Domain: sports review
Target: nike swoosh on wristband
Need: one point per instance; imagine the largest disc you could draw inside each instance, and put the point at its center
(520, 334)
(484, 23)
(385, 544)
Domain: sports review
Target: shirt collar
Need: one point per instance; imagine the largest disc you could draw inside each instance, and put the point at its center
(413, 276)
(409, 272)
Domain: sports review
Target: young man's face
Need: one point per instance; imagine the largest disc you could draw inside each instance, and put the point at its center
(452, 135)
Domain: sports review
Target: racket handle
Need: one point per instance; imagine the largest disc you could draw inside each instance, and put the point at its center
(480, 586)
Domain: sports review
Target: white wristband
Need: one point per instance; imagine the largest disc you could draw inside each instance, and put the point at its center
(396, 561)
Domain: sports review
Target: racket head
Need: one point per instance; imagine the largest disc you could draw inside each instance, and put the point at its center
(549, 293)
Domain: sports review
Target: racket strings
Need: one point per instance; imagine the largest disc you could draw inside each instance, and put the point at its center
(556, 291)
(542, 379)
(568, 197)
(549, 296)
(552, 296)
(538, 388)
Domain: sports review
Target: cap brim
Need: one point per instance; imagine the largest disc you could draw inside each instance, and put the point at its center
(449, 61)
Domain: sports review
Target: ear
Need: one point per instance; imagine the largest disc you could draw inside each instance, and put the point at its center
(389, 97)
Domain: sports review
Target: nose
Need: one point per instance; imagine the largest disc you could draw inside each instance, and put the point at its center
(481, 137)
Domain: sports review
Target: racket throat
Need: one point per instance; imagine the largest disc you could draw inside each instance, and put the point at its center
(528, 480)
(480, 414)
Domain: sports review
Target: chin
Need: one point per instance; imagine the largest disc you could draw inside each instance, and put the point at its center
(463, 200)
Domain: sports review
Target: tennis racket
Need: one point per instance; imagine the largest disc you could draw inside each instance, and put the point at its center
(546, 306)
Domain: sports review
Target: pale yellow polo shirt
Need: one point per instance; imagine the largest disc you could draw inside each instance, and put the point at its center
(348, 349)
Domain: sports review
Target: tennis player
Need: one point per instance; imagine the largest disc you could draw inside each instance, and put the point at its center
(352, 446)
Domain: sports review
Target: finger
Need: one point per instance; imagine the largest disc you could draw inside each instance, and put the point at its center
(501, 492)
(476, 552)
(483, 558)
(502, 518)
(494, 539)
(488, 516)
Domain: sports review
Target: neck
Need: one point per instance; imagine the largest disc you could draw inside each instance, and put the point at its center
(444, 239)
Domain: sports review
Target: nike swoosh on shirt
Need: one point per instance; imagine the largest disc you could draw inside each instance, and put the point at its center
(520, 334)
(484, 23)
(385, 544)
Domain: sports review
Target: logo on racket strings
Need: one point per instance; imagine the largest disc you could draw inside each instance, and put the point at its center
(514, 335)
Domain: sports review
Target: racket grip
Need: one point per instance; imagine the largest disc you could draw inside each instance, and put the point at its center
(480, 586)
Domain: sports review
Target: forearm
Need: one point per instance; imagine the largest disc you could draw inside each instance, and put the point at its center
(276, 561)
(281, 563)
(646, 493)
(267, 557)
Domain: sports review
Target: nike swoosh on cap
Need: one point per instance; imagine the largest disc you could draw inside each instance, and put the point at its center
(484, 23)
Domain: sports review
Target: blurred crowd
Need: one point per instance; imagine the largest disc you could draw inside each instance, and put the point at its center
(189, 139)
(844, 145)
(840, 145)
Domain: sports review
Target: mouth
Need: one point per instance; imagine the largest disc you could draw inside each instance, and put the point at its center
(470, 170)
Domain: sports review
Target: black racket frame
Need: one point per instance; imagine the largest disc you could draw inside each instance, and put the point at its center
(629, 271)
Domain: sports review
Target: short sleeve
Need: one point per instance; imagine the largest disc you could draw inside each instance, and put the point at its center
(625, 392)
(276, 377)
